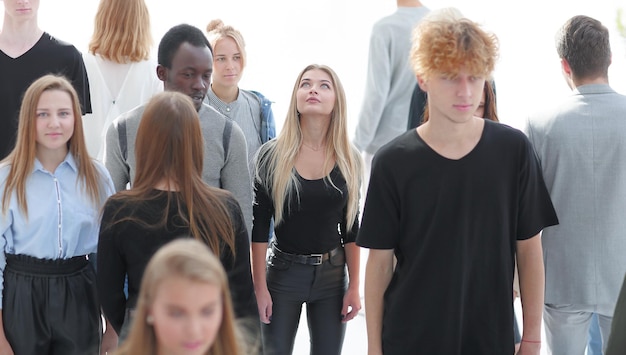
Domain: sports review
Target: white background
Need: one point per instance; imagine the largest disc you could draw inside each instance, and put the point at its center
(283, 36)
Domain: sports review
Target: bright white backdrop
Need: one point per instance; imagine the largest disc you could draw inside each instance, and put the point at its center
(283, 36)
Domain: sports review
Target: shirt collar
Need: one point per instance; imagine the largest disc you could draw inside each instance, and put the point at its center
(69, 160)
(218, 103)
(593, 89)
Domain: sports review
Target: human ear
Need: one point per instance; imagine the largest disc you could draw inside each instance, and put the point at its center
(422, 83)
(161, 72)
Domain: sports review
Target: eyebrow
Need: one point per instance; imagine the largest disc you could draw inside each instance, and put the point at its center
(59, 109)
(323, 80)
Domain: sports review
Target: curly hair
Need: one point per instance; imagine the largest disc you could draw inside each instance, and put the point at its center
(445, 44)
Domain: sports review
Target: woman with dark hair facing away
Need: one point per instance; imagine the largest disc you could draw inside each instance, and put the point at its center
(121, 74)
(52, 192)
(308, 180)
(184, 305)
(169, 200)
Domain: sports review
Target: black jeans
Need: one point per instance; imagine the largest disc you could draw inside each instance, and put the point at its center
(51, 306)
(322, 288)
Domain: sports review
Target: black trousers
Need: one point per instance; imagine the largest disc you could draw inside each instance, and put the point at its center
(322, 288)
(51, 306)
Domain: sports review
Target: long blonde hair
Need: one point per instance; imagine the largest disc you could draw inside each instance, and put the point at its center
(169, 146)
(189, 259)
(122, 31)
(276, 158)
(22, 158)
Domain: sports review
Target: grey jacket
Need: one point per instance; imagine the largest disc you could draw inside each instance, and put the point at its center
(581, 145)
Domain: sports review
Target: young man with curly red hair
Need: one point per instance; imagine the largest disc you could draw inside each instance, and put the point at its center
(455, 201)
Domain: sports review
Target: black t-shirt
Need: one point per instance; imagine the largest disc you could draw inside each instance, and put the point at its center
(48, 56)
(127, 246)
(317, 220)
(453, 225)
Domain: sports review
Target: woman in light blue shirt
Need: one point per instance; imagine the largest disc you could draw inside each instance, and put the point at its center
(52, 192)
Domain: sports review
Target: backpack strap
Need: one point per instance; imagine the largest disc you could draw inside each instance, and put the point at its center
(228, 128)
(121, 131)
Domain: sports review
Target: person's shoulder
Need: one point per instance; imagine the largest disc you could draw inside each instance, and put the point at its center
(401, 16)
(59, 45)
(403, 144)
(560, 110)
(209, 113)
(600, 95)
(121, 204)
(503, 130)
(89, 59)
(100, 167)
(503, 137)
(258, 97)
(214, 124)
(102, 170)
(132, 116)
(254, 95)
(382, 25)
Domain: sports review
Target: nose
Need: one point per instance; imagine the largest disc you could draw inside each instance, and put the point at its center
(313, 89)
(53, 121)
(464, 88)
(194, 327)
(200, 83)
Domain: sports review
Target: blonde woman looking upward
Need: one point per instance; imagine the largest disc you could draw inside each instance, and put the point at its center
(121, 74)
(184, 305)
(250, 109)
(308, 180)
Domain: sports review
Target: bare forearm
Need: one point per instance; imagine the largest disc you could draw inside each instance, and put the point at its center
(532, 283)
(378, 274)
(353, 261)
(259, 251)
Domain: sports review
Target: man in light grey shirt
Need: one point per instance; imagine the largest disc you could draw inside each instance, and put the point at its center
(390, 81)
(185, 65)
(581, 144)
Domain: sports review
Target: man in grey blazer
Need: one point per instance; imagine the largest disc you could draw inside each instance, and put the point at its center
(581, 144)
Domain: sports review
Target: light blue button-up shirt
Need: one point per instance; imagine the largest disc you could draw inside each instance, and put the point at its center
(62, 220)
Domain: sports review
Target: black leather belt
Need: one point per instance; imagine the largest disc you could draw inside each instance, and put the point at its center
(310, 259)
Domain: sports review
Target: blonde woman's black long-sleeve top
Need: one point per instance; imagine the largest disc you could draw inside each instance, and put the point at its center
(316, 221)
(126, 245)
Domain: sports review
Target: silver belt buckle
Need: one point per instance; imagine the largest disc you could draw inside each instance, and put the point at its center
(319, 258)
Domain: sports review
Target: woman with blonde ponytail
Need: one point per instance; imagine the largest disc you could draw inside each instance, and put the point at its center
(308, 181)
